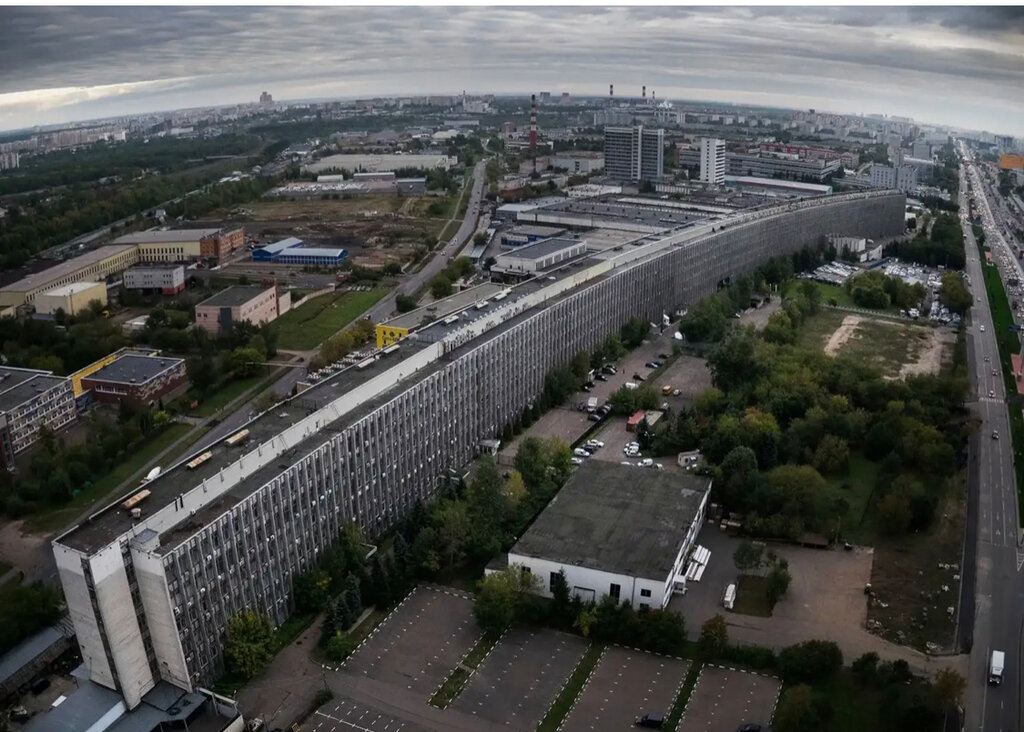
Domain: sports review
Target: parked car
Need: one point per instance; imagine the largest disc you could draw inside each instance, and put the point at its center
(663, 356)
(580, 452)
(650, 721)
(601, 377)
(576, 461)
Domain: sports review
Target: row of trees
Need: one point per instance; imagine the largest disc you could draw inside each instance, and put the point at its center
(443, 283)
(341, 344)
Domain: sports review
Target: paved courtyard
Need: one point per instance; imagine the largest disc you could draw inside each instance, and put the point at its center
(626, 684)
(725, 698)
(521, 677)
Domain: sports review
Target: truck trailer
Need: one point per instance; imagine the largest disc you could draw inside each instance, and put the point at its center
(995, 668)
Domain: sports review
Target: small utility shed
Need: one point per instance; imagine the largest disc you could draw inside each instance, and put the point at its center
(617, 530)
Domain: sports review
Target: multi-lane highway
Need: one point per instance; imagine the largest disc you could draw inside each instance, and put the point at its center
(999, 608)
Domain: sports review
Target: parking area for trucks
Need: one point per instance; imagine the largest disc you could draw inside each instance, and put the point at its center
(520, 678)
(419, 643)
(626, 684)
(726, 698)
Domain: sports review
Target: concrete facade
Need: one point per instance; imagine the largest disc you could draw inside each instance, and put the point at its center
(634, 153)
(142, 379)
(712, 161)
(95, 266)
(234, 537)
(169, 280)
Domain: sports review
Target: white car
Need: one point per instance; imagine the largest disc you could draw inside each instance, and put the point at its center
(646, 463)
(581, 453)
(576, 461)
(983, 329)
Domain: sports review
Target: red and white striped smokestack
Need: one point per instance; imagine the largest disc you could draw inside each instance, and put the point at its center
(533, 129)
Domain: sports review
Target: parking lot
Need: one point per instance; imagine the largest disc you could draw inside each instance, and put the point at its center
(626, 684)
(519, 680)
(725, 698)
(403, 654)
(348, 715)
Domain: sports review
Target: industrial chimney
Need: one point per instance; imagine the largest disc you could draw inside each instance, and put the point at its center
(644, 92)
(533, 130)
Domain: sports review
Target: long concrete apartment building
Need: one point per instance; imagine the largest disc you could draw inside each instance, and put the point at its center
(150, 590)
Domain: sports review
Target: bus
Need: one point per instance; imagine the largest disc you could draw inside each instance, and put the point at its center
(238, 438)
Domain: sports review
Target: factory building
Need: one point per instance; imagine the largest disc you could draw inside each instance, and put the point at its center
(255, 305)
(93, 266)
(150, 587)
(30, 399)
(518, 236)
(530, 260)
(165, 280)
(617, 531)
(139, 379)
(382, 163)
(712, 161)
(582, 162)
(71, 299)
(634, 153)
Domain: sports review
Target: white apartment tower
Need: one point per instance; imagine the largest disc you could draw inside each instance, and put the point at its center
(712, 161)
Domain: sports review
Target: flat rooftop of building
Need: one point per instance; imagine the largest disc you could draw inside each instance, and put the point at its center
(69, 267)
(280, 246)
(155, 267)
(17, 386)
(796, 185)
(133, 368)
(159, 236)
(22, 654)
(74, 287)
(530, 205)
(617, 518)
(647, 212)
(233, 296)
(533, 230)
(311, 252)
(542, 248)
(440, 309)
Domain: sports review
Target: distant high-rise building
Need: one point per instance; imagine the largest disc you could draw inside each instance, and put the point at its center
(921, 150)
(565, 98)
(712, 161)
(266, 100)
(634, 153)
(9, 160)
(545, 97)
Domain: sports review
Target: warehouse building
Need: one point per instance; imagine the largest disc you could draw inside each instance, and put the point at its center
(150, 592)
(382, 163)
(582, 162)
(93, 266)
(619, 531)
(30, 399)
(71, 299)
(165, 280)
(181, 245)
(293, 251)
(255, 305)
(138, 378)
(530, 260)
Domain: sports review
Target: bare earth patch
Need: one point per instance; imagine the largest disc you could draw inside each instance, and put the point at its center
(842, 334)
(929, 361)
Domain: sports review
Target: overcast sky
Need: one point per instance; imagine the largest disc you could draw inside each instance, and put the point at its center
(958, 66)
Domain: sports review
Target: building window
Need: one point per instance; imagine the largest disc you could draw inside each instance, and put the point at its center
(645, 593)
(644, 605)
(551, 584)
(614, 590)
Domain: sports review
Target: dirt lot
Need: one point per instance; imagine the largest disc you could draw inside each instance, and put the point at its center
(520, 678)
(898, 348)
(624, 685)
(726, 698)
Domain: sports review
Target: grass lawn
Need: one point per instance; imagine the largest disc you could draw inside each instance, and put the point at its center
(752, 596)
(679, 705)
(855, 487)
(815, 331)
(313, 322)
(231, 391)
(829, 293)
(55, 518)
(562, 705)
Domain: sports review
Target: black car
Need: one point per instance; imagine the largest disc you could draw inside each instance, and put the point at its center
(749, 728)
(601, 377)
(651, 365)
(650, 721)
(663, 355)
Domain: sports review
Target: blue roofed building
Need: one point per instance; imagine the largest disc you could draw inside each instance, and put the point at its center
(294, 251)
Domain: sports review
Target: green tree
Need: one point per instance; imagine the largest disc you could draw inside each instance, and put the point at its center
(441, 286)
(814, 661)
(778, 582)
(894, 513)
(832, 455)
(748, 555)
(797, 711)
(954, 293)
(561, 603)
(714, 638)
(865, 668)
(949, 687)
(502, 596)
(405, 303)
(244, 362)
(312, 591)
(249, 643)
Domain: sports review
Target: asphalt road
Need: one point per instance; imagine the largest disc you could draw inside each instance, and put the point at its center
(999, 608)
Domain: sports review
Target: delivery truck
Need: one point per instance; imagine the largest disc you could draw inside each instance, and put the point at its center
(995, 668)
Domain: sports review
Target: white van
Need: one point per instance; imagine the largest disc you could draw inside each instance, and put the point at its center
(995, 668)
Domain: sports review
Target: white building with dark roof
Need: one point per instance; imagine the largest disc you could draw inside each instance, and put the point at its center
(30, 399)
(617, 530)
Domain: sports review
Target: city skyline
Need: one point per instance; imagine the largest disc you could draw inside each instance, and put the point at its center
(949, 66)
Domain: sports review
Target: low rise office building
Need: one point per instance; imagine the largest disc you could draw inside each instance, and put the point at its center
(94, 266)
(183, 245)
(255, 305)
(139, 379)
(30, 399)
(617, 531)
(532, 259)
(165, 280)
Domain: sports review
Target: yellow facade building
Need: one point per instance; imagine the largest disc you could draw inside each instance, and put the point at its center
(72, 299)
